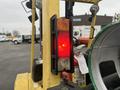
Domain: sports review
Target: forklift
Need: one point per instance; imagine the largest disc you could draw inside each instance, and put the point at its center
(54, 70)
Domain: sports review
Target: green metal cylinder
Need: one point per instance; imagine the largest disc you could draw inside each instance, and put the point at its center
(104, 58)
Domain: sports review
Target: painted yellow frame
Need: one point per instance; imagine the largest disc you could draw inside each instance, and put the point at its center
(50, 8)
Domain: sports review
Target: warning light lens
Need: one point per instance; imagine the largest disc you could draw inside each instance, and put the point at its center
(63, 44)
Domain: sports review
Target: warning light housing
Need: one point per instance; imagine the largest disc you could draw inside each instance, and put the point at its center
(61, 45)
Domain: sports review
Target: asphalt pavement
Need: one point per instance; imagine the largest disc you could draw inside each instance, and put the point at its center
(14, 59)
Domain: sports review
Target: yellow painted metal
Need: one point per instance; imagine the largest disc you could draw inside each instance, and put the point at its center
(85, 1)
(92, 29)
(50, 7)
(22, 82)
(33, 32)
(32, 43)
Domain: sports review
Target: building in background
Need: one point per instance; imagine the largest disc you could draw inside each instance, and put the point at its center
(81, 23)
(116, 17)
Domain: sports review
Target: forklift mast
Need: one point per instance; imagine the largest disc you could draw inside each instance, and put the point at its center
(50, 8)
(49, 80)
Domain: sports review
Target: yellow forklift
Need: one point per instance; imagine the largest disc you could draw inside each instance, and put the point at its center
(57, 48)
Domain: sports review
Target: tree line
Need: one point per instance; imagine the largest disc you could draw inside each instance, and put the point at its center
(13, 33)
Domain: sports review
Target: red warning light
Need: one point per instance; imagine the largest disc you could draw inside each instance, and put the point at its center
(63, 44)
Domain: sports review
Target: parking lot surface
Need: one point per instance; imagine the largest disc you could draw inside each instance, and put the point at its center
(14, 59)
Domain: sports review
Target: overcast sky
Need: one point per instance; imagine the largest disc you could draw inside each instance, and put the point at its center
(108, 7)
(13, 16)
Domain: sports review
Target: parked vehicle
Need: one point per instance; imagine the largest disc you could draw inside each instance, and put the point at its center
(17, 40)
(24, 39)
(3, 38)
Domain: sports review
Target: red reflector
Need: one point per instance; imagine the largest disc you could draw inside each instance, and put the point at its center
(63, 44)
(75, 62)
